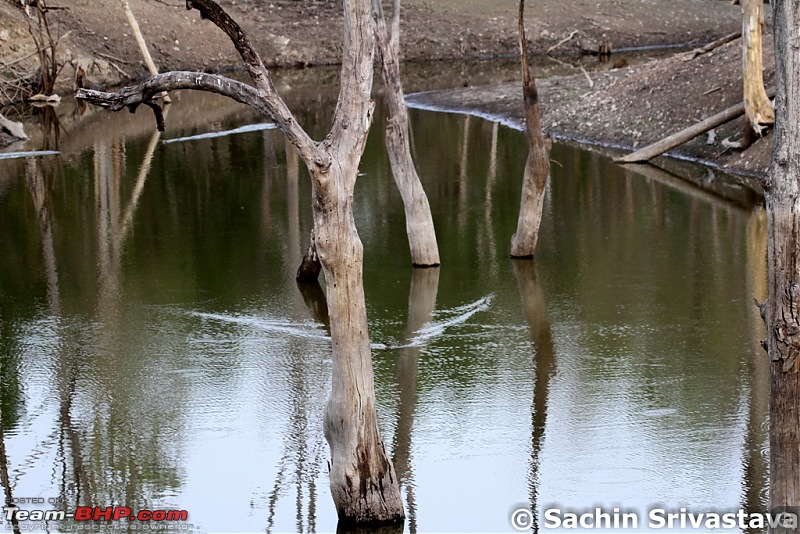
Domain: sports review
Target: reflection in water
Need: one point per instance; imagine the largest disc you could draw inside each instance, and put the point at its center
(155, 350)
(51, 128)
(40, 193)
(755, 475)
(421, 303)
(463, 182)
(535, 309)
(4, 478)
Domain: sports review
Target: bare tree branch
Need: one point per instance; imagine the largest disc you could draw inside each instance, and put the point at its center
(269, 103)
(145, 92)
(278, 110)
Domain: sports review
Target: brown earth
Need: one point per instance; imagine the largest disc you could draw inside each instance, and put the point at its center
(307, 32)
(625, 107)
(631, 107)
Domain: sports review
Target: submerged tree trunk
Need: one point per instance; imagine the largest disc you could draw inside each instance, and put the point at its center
(363, 482)
(782, 309)
(537, 167)
(419, 222)
(758, 108)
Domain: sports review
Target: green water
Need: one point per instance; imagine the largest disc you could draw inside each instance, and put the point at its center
(156, 351)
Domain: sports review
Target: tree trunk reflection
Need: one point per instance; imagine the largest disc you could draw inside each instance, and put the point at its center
(535, 309)
(421, 304)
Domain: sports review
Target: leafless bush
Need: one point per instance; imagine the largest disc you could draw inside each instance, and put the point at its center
(19, 81)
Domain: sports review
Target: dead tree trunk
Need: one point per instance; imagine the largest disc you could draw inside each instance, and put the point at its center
(537, 168)
(363, 481)
(419, 222)
(758, 108)
(782, 309)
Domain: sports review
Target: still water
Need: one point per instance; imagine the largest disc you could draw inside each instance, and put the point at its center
(157, 353)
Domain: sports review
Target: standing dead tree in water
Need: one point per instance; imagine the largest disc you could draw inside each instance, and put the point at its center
(537, 167)
(363, 481)
(419, 222)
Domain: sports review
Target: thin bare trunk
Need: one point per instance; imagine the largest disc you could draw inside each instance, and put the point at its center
(782, 196)
(137, 33)
(537, 167)
(419, 222)
(758, 108)
(363, 482)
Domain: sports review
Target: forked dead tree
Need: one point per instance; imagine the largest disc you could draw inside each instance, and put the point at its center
(363, 481)
(419, 222)
(537, 167)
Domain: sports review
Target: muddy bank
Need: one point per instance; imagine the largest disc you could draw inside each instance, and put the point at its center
(631, 107)
(292, 33)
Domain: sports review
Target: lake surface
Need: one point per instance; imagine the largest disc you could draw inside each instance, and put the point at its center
(156, 352)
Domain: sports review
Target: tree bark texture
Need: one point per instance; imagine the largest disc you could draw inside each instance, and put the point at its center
(537, 167)
(363, 481)
(419, 222)
(758, 108)
(780, 311)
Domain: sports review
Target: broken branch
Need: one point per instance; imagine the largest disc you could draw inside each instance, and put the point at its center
(562, 41)
(588, 78)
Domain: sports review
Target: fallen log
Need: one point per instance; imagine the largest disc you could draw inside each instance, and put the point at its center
(14, 129)
(712, 45)
(656, 149)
